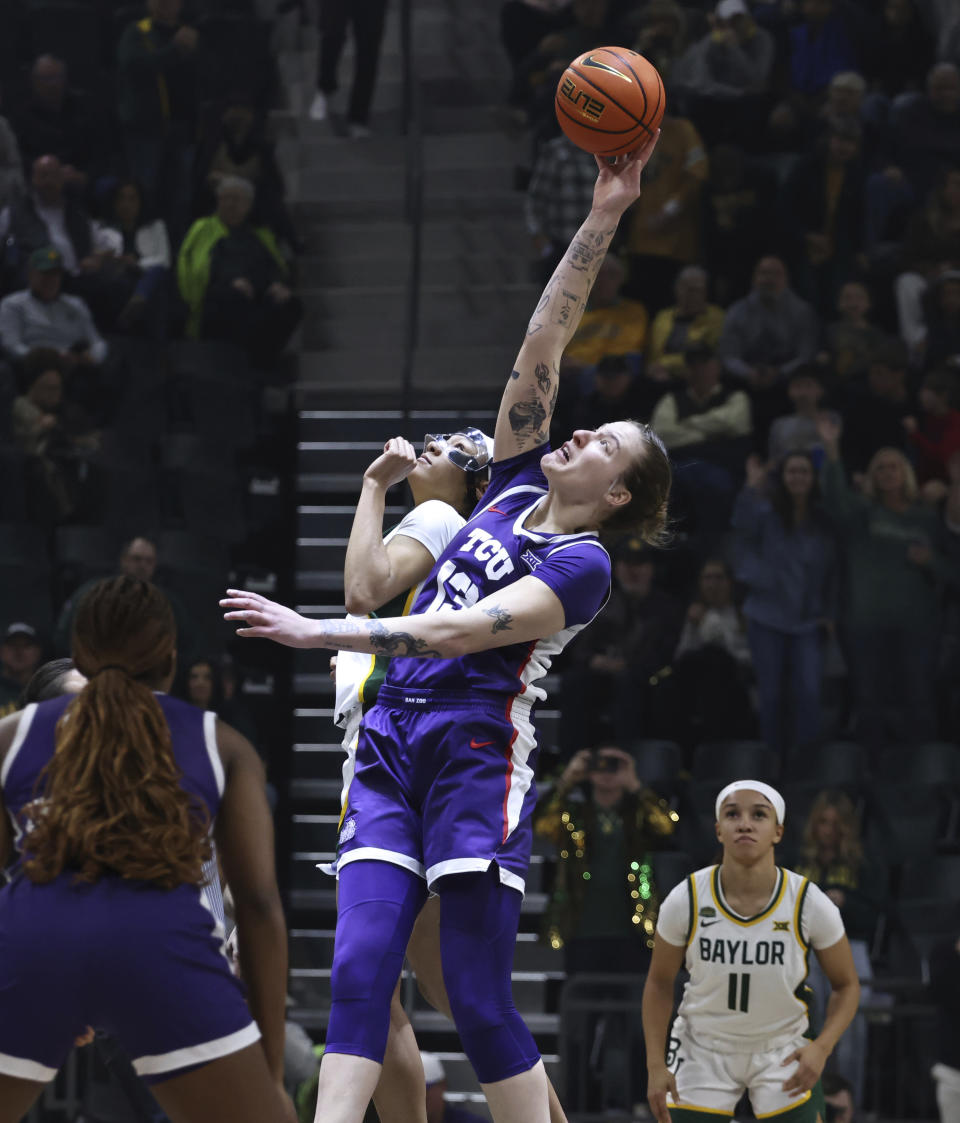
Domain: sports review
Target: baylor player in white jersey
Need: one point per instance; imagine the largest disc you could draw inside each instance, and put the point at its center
(744, 930)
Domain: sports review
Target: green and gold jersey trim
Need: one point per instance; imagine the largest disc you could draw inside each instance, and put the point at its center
(379, 664)
(745, 922)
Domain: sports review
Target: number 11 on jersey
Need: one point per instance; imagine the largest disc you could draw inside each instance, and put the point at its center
(739, 985)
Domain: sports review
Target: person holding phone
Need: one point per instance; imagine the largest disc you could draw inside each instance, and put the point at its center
(604, 823)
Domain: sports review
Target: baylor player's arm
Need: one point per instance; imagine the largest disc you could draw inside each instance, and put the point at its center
(665, 964)
(838, 966)
(374, 572)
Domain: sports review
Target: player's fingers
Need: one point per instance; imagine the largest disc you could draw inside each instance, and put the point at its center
(795, 1056)
(245, 593)
(675, 1095)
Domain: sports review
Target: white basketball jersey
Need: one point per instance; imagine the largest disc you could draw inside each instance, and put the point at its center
(747, 975)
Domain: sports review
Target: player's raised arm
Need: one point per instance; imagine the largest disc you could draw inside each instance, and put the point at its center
(531, 391)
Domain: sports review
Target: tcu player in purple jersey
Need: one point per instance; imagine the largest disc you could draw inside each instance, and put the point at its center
(443, 793)
(107, 799)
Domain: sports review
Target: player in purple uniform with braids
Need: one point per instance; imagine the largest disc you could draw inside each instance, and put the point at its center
(107, 801)
(443, 793)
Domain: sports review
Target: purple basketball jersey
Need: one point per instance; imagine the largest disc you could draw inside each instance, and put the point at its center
(493, 551)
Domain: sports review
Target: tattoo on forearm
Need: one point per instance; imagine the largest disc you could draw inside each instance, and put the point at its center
(387, 642)
(501, 618)
(383, 640)
(526, 420)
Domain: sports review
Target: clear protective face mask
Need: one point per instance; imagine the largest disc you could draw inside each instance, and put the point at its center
(465, 460)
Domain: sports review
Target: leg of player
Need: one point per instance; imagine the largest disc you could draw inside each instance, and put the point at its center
(237, 1088)
(479, 918)
(399, 1094)
(379, 902)
(17, 1097)
(423, 952)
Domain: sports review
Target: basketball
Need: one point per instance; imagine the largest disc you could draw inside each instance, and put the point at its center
(610, 101)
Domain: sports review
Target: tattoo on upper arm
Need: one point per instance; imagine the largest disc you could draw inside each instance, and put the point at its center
(527, 419)
(541, 372)
(501, 618)
(394, 644)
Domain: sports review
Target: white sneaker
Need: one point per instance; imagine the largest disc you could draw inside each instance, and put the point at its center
(358, 131)
(318, 107)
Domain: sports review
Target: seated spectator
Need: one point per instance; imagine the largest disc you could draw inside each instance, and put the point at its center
(822, 215)
(739, 222)
(931, 245)
(691, 320)
(11, 165)
(601, 925)
(711, 666)
(943, 320)
(614, 391)
(140, 249)
(49, 214)
(157, 101)
(55, 436)
(770, 332)
(935, 434)
(20, 654)
(852, 340)
(525, 23)
(799, 431)
(535, 79)
(201, 683)
(138, 558)
(558, 196)
(926, 129)
(661, 33)
(42, 316)
(786, 560)
(706, 426)
(57, 121)
(663, 226)
(832, 857)
(633, 636)
(724, 76)
(240, 148)
(893, 551)
(873, 409)
(821, 45)
(899, 50)
(611, 325)
(233, 278)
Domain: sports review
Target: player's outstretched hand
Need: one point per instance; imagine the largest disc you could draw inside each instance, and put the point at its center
(266, 619)
(659, 1083)
(618, 184)
(809, 1061)
(394, 464)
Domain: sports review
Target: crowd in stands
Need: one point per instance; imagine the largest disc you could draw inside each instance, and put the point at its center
(147, 298)
(783, 306)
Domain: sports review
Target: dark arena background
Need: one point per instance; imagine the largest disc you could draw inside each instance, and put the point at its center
(782, 305)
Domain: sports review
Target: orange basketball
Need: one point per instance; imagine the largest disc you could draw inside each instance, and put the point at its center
(610, 100)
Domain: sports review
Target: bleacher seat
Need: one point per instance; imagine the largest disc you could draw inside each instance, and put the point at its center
(836, 764)
(720, 762)
(83, 552)
(658, 765)
(670, 867)
(906, 821)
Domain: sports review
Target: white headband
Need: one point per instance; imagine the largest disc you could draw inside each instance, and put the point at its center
(754, 786)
